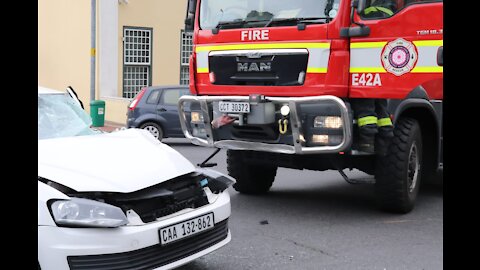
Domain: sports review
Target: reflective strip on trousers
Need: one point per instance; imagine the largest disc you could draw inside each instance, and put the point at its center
(382, 122)
(367, 120)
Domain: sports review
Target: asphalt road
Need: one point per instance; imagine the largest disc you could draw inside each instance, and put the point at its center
(318, 221)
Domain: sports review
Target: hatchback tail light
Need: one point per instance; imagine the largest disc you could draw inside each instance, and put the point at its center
(137, 99)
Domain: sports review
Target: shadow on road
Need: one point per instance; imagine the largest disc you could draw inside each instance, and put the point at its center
(338, 199)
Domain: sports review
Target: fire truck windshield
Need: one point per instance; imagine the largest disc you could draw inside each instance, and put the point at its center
(262, 13)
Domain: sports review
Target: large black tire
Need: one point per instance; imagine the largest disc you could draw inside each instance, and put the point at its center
(251, 178)
(154, 128)
(398, 173)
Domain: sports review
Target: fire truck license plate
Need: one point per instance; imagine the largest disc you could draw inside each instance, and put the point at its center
(186, 228)
(234, 107)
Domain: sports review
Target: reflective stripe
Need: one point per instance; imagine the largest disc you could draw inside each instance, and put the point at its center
(427, 56)
(418, 69)
(365, 57)
(316, 70)
(423, 43)
(356, 45)
(367, 120)
(202, 70)
(384, 122)
(318, 60)
(202, 62)
(324, 45)
(367, 70)
(319, 53)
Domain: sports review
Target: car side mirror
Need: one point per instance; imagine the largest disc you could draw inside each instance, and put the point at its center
(190, 16)
(361, 31)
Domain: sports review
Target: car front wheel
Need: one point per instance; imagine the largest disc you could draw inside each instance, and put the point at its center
(154, 129)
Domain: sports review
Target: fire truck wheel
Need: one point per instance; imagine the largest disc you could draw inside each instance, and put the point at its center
(154, 128)
(398, 173)
(251, 178)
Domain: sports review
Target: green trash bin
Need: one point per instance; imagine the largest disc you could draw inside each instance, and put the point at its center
(97, 112)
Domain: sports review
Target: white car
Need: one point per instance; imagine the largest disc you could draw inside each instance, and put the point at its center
(120, 200)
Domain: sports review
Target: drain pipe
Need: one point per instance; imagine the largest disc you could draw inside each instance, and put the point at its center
(92, 48)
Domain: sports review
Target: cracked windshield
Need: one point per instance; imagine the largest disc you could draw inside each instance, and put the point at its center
(228, 14)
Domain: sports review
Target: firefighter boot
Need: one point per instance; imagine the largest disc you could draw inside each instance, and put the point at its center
(383, 140)
(366, 143)
(366, 138)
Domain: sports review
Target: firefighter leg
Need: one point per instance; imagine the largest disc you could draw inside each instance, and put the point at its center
(385, 127)
(364, 112)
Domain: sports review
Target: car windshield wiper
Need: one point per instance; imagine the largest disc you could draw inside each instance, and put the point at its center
(298, 20)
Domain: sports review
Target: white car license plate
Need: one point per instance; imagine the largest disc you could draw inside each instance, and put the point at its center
(186, 228)
(234, 107)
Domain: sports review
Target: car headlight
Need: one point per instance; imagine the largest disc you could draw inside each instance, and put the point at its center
(79, 212)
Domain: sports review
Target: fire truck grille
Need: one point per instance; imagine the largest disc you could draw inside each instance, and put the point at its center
(267, 70)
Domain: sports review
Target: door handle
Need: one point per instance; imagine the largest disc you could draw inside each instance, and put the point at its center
(440, 56)
(161, 110)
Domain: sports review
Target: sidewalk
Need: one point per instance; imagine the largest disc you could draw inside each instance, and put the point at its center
(110, 126)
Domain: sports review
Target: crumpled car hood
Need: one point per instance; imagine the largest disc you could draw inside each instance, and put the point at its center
(123, 161)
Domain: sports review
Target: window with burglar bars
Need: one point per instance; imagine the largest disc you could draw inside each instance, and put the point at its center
(185, 52)
(137, 64)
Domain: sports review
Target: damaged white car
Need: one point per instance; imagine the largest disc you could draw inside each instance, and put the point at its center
(98, 208)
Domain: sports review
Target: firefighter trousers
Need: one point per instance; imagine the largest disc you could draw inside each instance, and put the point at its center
(372, 117)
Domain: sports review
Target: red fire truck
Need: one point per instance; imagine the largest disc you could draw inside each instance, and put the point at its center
(273, 82)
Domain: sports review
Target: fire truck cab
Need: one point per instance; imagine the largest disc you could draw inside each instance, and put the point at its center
(273, 81)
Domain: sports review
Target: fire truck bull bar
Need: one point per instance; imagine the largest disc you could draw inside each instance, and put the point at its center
(298, 147)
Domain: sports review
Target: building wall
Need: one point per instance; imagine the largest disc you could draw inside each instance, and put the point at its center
(64, 45)
(166, 19)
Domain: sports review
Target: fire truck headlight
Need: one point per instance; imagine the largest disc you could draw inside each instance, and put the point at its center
(198, 125)
(199, 132)
(327, 139)
(334, 122)
(196, 118)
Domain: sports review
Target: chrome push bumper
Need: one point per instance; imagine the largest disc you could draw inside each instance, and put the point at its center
(298, 147)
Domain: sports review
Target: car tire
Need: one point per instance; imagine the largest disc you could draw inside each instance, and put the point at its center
(398, 174)
(251, 178)
(154, 128)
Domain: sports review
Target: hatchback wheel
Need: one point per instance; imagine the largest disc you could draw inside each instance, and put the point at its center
(154, 129)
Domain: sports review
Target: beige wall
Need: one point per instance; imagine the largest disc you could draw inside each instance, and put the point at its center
(166, 18)
(64, 45)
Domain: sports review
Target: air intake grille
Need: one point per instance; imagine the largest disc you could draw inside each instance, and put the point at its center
(154, 256)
